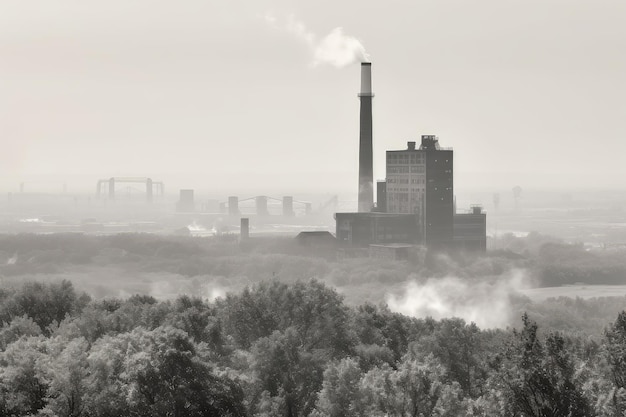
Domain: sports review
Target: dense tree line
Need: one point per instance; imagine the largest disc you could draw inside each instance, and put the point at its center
(278, 349)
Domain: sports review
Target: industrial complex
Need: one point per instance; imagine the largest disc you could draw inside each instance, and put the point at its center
(415, 203)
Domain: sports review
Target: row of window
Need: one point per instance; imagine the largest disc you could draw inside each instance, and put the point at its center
(391, 190)
(403, 208)
(418, 169)
(405, 158)
(406, 181)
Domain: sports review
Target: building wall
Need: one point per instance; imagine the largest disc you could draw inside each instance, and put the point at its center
(470, 232)
(381, 196)
(390, 252)
(439, 197)
(363, 229)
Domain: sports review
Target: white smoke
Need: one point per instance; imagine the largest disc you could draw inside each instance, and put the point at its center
(336, 48)
(486, 303)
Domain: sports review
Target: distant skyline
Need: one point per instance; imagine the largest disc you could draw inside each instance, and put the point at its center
(215, 93)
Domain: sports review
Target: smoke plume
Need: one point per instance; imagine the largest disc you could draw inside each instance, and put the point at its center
(336, 48)
(486, 303)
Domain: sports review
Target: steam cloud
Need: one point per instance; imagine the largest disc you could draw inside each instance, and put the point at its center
(483, 302)
(336, 48)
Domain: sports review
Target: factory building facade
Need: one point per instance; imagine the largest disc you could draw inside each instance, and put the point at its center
(406, 181)
(359, 230)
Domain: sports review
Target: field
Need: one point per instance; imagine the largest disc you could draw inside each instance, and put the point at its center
(585, 291)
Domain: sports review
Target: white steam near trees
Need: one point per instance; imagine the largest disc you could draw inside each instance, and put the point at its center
(484, 302)
(336, 48)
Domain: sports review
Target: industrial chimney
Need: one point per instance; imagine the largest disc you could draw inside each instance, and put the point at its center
(366, 170)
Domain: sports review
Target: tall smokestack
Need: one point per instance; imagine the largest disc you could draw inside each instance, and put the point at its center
(366, 170)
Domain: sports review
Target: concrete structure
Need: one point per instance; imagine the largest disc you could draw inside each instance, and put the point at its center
(319, 243)
(364, 229)
(149, 190)
(261, 206)
(470, 230)
(244, 229)
(186, 202)
(288, 206)
(233, 206)
(366, 166)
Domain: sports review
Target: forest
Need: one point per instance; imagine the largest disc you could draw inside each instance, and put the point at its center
(289, 338)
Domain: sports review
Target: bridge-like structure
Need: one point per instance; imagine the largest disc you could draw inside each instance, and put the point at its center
(150, 186)
(288, 205)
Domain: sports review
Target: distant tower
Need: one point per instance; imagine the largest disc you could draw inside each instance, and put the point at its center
(244, 233)
(149, 190)
(366, 170)
(186, 201)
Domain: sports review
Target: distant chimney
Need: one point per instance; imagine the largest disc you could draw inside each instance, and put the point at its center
(366, 163)
(411, 146)
(244, 230)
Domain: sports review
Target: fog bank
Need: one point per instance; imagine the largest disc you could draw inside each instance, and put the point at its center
(486, 302)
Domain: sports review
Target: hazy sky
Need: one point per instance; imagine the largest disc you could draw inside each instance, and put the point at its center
(211, 94)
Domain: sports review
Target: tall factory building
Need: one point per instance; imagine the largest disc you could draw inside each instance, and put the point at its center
(420, 182)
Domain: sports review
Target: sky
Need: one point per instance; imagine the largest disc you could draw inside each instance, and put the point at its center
(234, 95)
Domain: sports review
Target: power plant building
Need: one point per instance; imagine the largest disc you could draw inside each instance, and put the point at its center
(415, 203)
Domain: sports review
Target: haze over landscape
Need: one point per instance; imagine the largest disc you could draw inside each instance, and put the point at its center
(206, 93)
(192, 221)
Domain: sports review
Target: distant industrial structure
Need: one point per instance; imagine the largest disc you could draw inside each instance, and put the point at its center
(186, 202)
(261, 205)
(150, 186)
(415, 203)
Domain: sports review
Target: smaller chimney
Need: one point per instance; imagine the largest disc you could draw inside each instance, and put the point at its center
(244, 233)
(411, 146)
